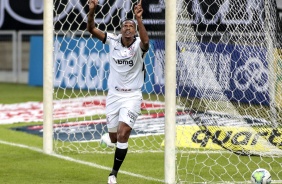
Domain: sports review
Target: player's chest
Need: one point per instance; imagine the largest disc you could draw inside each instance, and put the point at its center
(120, 51)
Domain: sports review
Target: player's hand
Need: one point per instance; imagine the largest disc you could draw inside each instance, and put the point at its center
(138, 10)
(93, 4)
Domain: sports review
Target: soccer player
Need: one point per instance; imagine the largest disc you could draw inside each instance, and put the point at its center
(126, 78)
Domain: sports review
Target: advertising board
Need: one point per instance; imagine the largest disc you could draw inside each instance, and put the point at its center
(211, 15)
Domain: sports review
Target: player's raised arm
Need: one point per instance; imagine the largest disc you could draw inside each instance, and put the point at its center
(138, 11)
(91, 22)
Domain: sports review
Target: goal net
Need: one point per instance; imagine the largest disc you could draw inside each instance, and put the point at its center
(228, 93)
(228, 82)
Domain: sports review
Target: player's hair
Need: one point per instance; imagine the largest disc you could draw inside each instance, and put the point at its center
(131, 20)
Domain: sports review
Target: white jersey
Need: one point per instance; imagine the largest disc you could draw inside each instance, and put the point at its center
(126, 64)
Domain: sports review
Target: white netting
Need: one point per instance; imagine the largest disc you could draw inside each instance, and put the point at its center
(227, 81)
(228, 85)
(81, 69)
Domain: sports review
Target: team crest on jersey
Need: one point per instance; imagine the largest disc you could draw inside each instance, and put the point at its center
(131, 50)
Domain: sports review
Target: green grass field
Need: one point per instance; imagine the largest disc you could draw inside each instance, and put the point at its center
(23, 162)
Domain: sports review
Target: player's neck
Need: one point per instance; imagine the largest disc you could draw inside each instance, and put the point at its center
(126, 42)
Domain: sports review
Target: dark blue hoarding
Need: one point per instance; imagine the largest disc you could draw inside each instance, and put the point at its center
(212, 70)
(238, 73)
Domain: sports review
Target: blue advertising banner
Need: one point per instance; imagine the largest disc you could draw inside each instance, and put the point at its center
(213, 70)
(35, 74)
(79, 63)
(239, 73)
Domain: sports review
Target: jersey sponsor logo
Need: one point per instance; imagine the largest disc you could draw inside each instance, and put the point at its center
(124, 62)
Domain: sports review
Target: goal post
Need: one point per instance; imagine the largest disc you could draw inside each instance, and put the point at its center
(270, 20)
(48, 77)
(170, 92)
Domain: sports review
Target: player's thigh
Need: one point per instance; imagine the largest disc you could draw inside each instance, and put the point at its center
(112, 123)
(130, 112)
(112, 118)
(113, 105)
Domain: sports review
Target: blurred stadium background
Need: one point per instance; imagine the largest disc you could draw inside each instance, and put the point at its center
(19, 20)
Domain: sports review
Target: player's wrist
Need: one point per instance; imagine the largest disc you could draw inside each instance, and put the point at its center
(92, 12)
(138, 18)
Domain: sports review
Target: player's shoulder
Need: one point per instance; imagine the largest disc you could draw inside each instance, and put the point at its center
(113, 37)
(137, 38)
